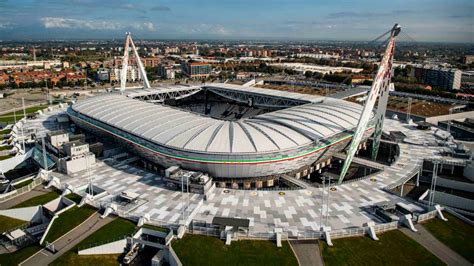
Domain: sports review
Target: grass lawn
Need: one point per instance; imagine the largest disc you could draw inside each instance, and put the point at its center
(18, 256)
(455, 234)
(9, 117)
(7, 223)
(23, 183)
(6, 147)
(157, 228)
(74, 197)
(206, 250)
(5, 131)
(5, 157)
(393, 248)
(39, 200)
(68, 220)
(113, 230)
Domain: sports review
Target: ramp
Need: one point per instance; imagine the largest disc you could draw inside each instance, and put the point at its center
(361, 161)
(307, 252)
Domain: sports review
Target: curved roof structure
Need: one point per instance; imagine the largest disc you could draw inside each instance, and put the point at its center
(319, 118)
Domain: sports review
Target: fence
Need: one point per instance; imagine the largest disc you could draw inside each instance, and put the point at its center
(359, 231)
(457, 214)
(448, 183)
(92, 245)
(309, 235)
(426, 216)
(22, 190)
(380, 228)
(197, 230)
(454, 201)
(258, 235)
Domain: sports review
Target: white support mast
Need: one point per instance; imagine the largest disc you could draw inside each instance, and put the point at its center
(146, 83)
(123, 73)
(382, 80)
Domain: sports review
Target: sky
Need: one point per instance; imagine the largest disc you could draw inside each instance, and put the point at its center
(351, 20)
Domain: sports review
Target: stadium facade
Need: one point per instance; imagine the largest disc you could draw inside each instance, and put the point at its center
(227, 131)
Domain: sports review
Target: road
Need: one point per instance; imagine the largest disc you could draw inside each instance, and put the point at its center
(37, 191)
(307, 252)
(68, 241)
(440, 250)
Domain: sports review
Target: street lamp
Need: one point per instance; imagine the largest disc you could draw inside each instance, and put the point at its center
(409, 109)
(322, 202)
(449, 119)
(327, 201)
(433, 183)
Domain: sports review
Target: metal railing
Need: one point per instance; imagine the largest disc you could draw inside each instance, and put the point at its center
(92, 245)
(309, 235)
(342, 233)
(426, 216)
(408, 176)
(17, 192)
(380, 228)
(458, 214)
(258, 235)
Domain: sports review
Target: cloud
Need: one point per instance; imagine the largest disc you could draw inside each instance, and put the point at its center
(160, 8)
(461, 16)
(210, 29)
(353, 14)
(70, 23)
(109, 4)
(6, 25)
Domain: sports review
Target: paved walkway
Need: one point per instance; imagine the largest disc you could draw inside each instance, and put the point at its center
(68, 241)
(440, 250)
(307, 252)
(37, 191)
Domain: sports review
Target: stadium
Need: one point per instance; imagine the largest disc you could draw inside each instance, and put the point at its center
(228, 131)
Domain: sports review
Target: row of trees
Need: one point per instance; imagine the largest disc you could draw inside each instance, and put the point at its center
(42, 84)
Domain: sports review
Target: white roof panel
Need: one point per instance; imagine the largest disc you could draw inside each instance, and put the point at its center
(284, 129)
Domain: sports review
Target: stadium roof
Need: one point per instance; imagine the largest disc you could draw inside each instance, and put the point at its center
(279, 130)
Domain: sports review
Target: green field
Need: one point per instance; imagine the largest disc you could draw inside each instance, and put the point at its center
(5, 132)
(18, 256)
(206, 250)
(9, 118)
(455, 234)
(157, 228)
(23, 183)
(5, 157)
(38, 200)
(7, 223)
(112, 231)
(6, 147)
(68, 220)
(393, 248)
(74, 197)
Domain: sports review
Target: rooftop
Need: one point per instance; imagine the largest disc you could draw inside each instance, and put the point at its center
(284, 129)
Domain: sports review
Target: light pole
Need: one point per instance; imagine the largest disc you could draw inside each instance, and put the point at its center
(433, 183)
(322, 203)
(327, 202)
(47, 92)
(24, 117)
(45, 160)
(449, 119)
(182, 192)
(409, 109)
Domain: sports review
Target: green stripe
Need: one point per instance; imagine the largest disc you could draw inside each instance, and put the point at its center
(303, 153)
